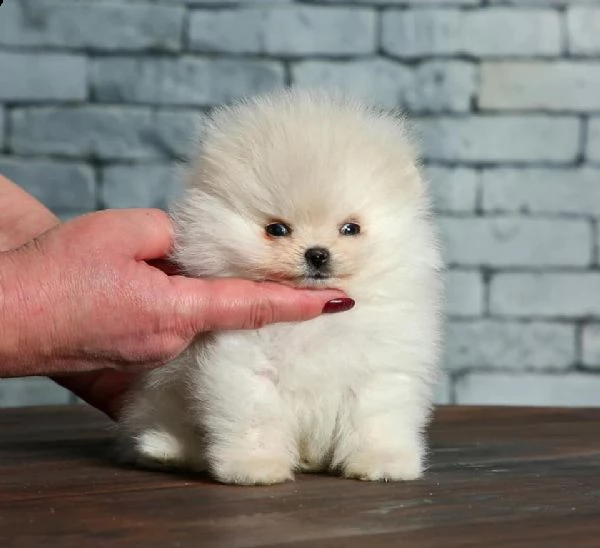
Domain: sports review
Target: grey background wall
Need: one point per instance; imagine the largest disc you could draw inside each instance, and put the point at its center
(98, 100)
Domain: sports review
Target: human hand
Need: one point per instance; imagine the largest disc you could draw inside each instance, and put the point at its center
(83, 298)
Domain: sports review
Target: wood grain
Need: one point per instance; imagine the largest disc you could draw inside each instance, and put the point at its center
(498, 477)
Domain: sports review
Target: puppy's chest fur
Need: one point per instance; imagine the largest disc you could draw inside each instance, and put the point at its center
(319, 357)
(316, 368)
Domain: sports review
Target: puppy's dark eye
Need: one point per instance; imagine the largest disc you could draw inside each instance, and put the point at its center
(350, 229)
(278, 230)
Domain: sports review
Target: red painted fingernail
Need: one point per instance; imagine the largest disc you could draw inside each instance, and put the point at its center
(338, 305)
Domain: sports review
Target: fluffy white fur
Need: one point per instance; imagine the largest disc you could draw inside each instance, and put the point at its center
(347, 392)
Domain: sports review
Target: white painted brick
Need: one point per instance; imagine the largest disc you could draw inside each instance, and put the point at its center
(229, 31)
(203, 3)
(583, 30)
(560, 295)
(2, 117)
(464, 293)
(591, 345)
(377, 81)
(330, 31)
(490, 32)
(544, 2)
(103, 132)
(237, 2)
(453, 189)
(597, 244)
(294, 30)
(445, 86)
(415, 3)
(143, 185)
(443, 391)
(518, 139)
(593, 140)
(96, 25)
(546, 191)
(42, 77)
(541, 85)
(182, 81)
(570, 390)
(517, 346)
(441, 86)
(31, 391)
(60, 185)
(516, 242)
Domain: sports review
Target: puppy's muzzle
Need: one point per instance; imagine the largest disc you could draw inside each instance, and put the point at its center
(317, 258)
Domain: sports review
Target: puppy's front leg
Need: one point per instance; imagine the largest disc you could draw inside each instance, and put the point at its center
(383, 430)
(250, 432)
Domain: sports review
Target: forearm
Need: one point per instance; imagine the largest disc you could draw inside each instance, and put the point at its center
(22, 217)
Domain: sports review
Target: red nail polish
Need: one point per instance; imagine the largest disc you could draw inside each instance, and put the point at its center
(338, 305)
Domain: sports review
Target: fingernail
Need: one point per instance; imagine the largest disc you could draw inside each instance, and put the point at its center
(338, 305)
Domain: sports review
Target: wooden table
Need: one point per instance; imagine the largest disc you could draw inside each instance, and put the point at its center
(499, 477)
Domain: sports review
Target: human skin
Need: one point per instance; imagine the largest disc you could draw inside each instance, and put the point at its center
(86, 303)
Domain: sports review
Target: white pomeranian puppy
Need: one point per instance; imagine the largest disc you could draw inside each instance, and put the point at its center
(312, 190)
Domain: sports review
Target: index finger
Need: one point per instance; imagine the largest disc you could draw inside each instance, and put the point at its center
(228, 303)
(146, 234)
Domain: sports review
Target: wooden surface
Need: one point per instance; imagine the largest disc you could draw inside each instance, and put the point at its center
(498, 478)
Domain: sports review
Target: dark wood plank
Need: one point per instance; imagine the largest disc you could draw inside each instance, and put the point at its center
(499, 477)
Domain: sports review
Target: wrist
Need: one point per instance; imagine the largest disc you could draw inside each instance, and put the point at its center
(22, 343)
(10, 323)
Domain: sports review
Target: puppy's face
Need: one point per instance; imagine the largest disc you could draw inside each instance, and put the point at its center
(310, 240)
(322, 252)
(303, 191)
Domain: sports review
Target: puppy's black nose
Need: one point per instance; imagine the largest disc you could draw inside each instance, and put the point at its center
(317, 256)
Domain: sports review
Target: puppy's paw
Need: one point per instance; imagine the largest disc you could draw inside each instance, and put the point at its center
(374, 465)
(157, 449)
(253, 468)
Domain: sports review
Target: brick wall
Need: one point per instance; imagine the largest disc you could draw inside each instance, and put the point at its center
(99, 98)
